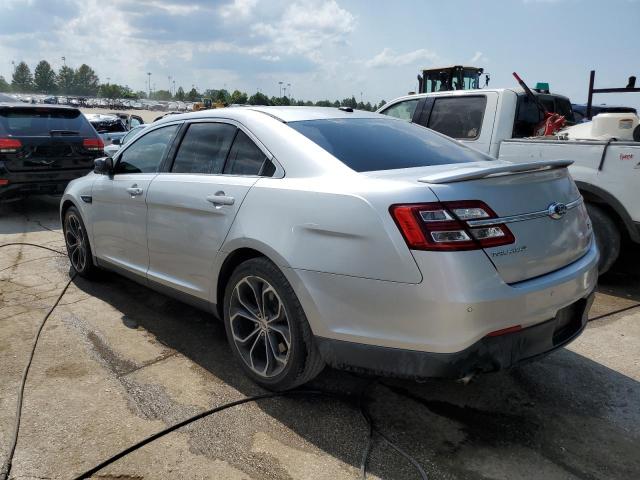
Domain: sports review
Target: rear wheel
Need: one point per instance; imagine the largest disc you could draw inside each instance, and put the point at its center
(77, 243)
(267, 329)
(607, 237)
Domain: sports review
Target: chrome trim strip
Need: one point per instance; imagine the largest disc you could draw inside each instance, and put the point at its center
(519, 218)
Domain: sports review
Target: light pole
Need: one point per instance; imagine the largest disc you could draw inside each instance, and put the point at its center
(169, 77)
(64, 61)
(280, 83)
(149, 75)
(108, 78)
(289, 89)
(174, 88)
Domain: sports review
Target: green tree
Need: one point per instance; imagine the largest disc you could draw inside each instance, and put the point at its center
(180, 94)
(193, 95)
(222, 96)
(65, 80)
(22, 80)
(44, 78)
(4, 85)
(238, 97)
(85, 81)
(259, 98)
(112, 90)
(139, 94)
(349, 102)
(382, 103)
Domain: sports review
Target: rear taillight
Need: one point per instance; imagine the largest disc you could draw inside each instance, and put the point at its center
(94, 144)
(444, 226)
(9, 145)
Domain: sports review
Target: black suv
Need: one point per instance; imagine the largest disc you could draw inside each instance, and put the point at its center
(43, 148)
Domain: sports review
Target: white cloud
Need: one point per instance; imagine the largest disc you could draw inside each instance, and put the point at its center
(238, 8)
(478, 57)
(389, 58)
(306, 26)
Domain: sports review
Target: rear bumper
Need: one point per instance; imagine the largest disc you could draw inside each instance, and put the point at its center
(38, 183)
(486, 355)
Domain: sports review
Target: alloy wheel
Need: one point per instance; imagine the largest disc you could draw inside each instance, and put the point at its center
(260, 326)
(76, 247)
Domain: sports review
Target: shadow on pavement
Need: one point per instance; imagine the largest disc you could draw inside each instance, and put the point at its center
(561, 416)
(32, 214)
(623, 280)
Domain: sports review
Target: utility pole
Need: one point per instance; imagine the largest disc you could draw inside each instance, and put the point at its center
(64, 61)
(289, 89)
(280, 83)
(174, 88)
(169, 77)
(149, 75)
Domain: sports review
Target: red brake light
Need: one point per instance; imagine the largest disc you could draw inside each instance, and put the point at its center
(504, 331)
(9, 145)
(93, 144)
(444, 226)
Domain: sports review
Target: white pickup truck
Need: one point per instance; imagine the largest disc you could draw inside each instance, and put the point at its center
(500, 122)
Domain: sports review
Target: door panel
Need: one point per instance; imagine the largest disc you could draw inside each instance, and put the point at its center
(119, 201)
(186, 228)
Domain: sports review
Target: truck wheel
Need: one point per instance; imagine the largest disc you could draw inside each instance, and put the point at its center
(267, 329)
(607, 237)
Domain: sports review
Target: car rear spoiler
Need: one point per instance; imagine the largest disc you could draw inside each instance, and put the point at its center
(473, 173)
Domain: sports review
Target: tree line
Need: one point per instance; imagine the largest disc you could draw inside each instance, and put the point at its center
(84, 81)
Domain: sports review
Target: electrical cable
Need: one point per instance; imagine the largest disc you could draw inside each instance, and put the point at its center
(630, 307)
(6, 465)
(33, 245)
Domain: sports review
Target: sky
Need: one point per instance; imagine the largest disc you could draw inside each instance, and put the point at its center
(329, 49)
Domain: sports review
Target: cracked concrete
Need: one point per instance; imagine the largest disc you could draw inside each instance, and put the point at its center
(117, 362)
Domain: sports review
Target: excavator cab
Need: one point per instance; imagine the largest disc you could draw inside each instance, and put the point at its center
(454, 77)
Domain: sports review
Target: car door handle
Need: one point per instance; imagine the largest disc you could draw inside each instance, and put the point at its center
(134, 190)
(220, 199)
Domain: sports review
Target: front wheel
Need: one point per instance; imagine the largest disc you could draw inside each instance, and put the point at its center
(77, 243)
(267, 329)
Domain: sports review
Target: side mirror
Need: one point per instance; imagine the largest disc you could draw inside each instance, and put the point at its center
(103, 166)
(116, 141)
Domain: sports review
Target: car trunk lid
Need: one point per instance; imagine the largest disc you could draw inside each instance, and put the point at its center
(539, 203)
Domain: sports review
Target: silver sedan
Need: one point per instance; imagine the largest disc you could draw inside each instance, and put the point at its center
(331, 236)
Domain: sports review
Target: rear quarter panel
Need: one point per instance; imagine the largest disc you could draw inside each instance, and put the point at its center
(317, 225)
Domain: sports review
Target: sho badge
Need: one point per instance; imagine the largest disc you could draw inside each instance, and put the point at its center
(557, 210)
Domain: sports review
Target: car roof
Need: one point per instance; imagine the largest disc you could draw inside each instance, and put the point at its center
(282, 114)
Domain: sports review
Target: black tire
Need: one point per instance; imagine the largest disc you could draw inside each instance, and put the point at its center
(74, 229)
(303, 361)
(607, 237)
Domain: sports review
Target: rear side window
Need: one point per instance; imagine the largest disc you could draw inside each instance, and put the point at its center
(39, 121)
(403, 110)
(245, 158)
(528, 115)
(458, 117)
(369, 144)
(204, 148)
(146, 153)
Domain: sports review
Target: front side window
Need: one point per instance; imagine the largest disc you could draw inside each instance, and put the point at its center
(146, 153)
(204, 148)
(458, 117)
(402, 110)
(369, 144)
(245, 158)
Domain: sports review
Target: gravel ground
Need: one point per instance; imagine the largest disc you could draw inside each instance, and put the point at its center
(117, 362)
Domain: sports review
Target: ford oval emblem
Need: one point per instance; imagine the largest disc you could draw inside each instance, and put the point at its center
(557, 210)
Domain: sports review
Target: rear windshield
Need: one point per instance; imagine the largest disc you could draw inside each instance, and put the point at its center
(40, 121)
(369, 144)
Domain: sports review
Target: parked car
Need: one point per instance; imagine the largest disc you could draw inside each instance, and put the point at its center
(499, 122)
(108, 126)
(130, 120)
(350, 238)
(117, 143)
(43, 147)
